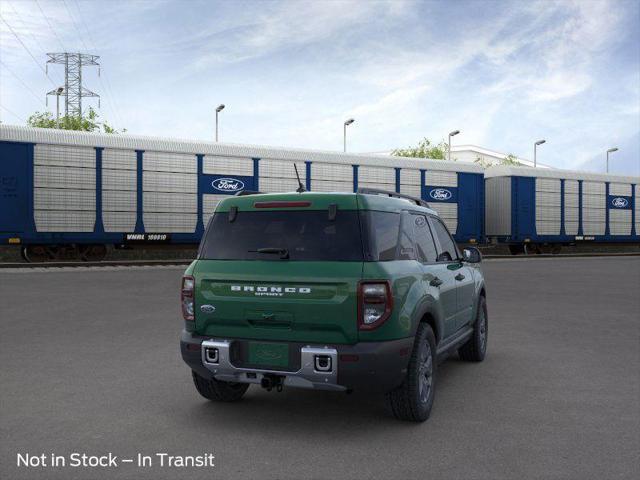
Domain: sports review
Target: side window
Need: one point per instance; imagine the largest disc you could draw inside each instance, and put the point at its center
(448, 251)
(424, 240)
(405, 238)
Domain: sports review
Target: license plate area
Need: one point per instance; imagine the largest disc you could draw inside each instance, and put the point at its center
(278, 356)
(268, 354)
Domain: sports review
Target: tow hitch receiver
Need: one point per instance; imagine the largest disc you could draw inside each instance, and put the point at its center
(270, 381)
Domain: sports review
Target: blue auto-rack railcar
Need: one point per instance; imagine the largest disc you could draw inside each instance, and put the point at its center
(78, 192)
(534, 210)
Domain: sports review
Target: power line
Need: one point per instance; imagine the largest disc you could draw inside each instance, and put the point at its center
(35, 95)
(51, 26)
(73, 22)
(14, 114)
(26, 28)
(106, 85)
(27, 49)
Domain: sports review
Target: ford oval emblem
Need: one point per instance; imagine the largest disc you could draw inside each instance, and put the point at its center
(207, 309)
(619, 202)
(228, 184)
(440, 194)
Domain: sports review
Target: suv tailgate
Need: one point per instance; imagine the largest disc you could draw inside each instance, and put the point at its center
(314, 302)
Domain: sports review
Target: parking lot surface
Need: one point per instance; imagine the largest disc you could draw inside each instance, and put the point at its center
(90, 363)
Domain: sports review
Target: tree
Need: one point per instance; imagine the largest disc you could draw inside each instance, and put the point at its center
(425, 149)
(87, 123)
(510, 159)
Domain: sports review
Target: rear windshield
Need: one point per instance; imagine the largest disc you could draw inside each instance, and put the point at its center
(279, 235)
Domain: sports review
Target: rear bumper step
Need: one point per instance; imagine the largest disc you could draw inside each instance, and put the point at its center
(318, 367)
(364, 366)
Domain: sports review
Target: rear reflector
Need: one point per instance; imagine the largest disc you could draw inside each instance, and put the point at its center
(281, 204)
(349, 358)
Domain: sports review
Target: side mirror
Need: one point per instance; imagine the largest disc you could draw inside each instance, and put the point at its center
(471, 255)
(444, 257)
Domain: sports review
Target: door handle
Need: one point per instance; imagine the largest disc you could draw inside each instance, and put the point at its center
(459, 277)
(436, 282)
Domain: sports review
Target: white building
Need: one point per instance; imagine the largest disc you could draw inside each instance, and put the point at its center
(471, 153)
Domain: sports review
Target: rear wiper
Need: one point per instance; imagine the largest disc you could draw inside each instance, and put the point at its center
(283, 252)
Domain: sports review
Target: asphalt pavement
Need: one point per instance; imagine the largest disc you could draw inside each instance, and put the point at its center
(90, 364)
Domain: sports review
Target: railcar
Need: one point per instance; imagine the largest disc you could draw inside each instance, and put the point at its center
(67, 193)
(540, 210)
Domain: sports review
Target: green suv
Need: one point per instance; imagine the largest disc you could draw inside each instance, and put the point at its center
(332, 291)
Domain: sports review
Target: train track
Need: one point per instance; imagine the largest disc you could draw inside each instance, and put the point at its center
(105, 263)
(182, 262)
(564, 255)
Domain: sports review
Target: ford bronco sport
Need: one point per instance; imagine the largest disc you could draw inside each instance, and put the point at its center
(334, 291)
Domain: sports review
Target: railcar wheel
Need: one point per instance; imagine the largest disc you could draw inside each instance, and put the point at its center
(516, 249)
(35, 253)
(93, 253)
(531, 249)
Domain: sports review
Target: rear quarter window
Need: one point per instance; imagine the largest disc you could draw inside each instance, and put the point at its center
(388, 236)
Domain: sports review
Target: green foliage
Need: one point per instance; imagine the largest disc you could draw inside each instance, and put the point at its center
(510, 159)
(425, 149)
(86, 123)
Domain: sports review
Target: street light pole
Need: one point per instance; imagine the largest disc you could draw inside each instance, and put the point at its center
(535, 152)
(451, 134)
(58, 92)
(611, 150)
(218, 110)
(344, 134)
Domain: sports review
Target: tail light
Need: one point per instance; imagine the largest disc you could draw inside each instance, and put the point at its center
(186, 297)
(375, 303)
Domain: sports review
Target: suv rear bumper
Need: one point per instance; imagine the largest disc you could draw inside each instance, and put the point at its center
(365, 366)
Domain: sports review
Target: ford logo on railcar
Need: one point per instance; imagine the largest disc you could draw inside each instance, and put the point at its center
(440, 194)
(619, 202)
(228, 184)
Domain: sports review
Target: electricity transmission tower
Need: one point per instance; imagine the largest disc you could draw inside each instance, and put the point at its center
(73, 90)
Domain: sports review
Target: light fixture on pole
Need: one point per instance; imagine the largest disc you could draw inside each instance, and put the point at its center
(451, 134)
(535, 152)
(344, 136)
(218, 110)
(611, 150)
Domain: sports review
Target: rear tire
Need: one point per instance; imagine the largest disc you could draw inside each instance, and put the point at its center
(476, 347)
(217, 391)
(412, 401)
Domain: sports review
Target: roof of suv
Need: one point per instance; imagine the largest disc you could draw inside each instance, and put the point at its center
(320, 201)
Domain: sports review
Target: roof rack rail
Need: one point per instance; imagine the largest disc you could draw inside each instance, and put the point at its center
(378, 191)
(242, 193)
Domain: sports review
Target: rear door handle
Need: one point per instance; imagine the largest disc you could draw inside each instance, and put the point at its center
(436, 282)
(459, 277)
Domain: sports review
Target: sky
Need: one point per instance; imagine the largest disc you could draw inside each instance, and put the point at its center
(290, 73)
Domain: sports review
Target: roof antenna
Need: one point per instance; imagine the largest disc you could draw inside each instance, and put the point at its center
(300, 188)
